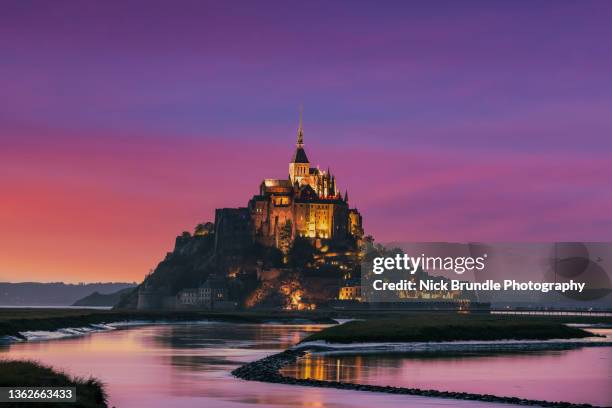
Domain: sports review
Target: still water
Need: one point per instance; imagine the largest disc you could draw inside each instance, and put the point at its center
(188, 365)
(582, 375)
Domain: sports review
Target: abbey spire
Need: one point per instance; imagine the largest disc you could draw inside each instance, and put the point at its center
(300, 134)
(299, 165)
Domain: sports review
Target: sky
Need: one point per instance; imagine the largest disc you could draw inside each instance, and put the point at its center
(124, 123)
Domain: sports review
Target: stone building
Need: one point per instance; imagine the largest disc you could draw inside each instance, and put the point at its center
(350, 290)
(307, 203)
(233, 230)
(212, 294)
(188, 297)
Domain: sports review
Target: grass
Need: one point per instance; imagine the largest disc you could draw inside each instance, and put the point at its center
(448, 327)
(90, 392)
(15, 320)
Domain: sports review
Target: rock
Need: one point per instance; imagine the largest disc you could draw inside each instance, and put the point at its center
(267, 370)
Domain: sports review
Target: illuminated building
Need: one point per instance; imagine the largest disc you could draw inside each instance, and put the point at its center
(306, 204)
(350, 291)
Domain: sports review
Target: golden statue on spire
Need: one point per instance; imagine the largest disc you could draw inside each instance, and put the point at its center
(300, 138)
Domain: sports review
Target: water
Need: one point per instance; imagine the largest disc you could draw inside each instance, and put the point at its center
(188, 365)
(552, 313)
(582, 375)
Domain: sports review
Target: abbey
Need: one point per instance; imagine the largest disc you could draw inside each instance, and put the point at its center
(306, 204)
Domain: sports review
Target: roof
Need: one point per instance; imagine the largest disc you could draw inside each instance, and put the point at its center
(278, 183)
(308, 200)
(300, 156)
(214, 284)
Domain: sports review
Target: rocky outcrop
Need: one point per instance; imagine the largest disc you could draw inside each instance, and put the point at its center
(188, 265)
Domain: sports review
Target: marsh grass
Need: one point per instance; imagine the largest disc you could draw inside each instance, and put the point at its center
(90, 391)
(449, 327)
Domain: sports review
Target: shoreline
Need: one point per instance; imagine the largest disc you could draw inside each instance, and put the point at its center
(423, 329)
(322, 348)
(89, 392)
(268, 369)
(66, 322)
(30, 324)
(69, 332)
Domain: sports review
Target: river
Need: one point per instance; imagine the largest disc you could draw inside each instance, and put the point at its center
(579, 375)
(188, 365)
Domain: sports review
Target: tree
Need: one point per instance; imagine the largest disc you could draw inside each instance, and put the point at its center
(301, 253)
(284, 237)
(273, 257)
(204, 228)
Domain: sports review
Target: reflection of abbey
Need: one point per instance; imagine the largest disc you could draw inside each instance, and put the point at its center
(306, 204)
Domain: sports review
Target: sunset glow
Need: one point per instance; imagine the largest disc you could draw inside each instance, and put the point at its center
(123, 124)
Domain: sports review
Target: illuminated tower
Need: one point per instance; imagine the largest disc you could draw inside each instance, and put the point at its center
(299, 166)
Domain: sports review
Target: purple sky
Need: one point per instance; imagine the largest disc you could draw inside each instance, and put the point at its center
(129, 122)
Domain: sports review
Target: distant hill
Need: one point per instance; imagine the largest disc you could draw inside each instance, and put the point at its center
(99, 299)
(53, 293)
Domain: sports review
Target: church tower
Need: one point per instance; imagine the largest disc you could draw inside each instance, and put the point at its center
(299, 166)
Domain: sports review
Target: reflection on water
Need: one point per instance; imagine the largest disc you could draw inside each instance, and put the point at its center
(580, 375)
(188, 365)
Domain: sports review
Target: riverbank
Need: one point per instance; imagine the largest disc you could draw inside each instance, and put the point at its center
(83, 356)
(449, 327)
(426, 333)
(13, 322)
(90, 392)
(428, 326)
(268, 370)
